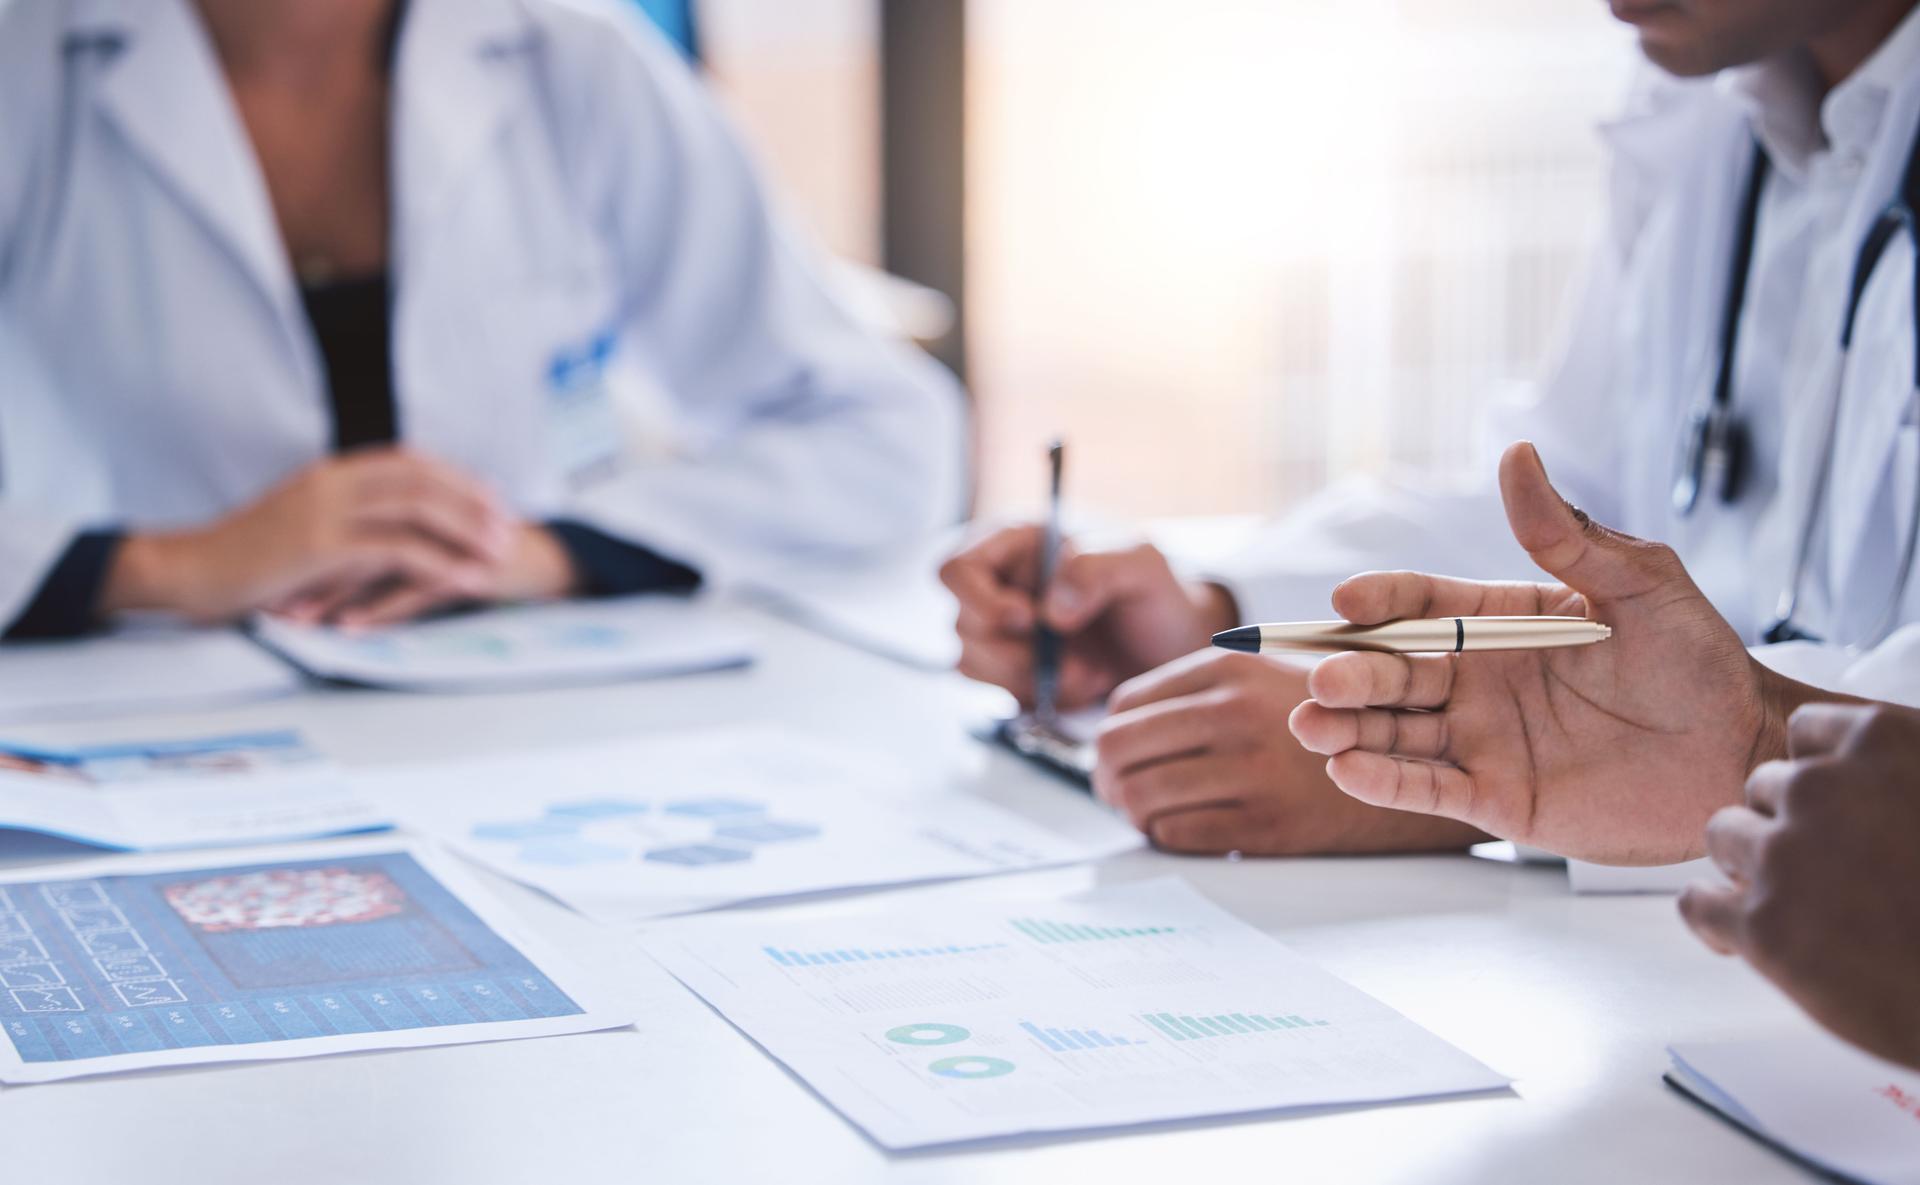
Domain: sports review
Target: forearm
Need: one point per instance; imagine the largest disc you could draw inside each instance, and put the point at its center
(159, 572)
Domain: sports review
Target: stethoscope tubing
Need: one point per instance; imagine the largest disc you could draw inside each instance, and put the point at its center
(1716, 431)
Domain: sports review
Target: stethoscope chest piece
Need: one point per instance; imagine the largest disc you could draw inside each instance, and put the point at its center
(1714, 458)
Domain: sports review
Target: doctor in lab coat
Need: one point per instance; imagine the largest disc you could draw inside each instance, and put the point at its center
(1194, 750)
(360, 308)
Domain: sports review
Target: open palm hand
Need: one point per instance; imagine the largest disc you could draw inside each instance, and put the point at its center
(1617, 752)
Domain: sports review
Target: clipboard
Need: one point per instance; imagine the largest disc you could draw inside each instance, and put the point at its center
(1045, 745)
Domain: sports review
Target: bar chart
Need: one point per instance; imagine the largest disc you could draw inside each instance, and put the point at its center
(1044, 931)
(1181, 1027)
(856, 954)
(1066, 1040)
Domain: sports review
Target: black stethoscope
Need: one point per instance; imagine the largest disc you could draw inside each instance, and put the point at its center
(1714, 449)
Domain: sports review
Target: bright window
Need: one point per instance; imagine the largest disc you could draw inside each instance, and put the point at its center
(1231, 248)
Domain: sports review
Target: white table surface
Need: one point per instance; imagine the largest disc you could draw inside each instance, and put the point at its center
(1574, 997)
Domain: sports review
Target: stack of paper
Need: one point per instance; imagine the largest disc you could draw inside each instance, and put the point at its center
(134, 963)
(139, 670)
(1814, 1097)
(670, 824)
(201, 792)
(520, 646)
(930, 1021)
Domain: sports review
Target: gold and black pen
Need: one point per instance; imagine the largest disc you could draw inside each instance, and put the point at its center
(1446, 635)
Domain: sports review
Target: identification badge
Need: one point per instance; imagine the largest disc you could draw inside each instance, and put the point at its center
(583, 424)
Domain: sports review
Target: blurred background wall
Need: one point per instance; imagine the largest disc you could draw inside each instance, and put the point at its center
(1231, 248)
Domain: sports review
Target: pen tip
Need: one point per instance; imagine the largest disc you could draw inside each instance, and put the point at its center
(1245, 639)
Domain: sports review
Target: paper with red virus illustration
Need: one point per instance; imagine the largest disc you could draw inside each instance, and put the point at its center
(144, 962)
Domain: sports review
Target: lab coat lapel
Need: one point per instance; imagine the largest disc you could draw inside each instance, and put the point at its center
(167, 97)
(1880, 387)
(457, 86)
(1873, 410)
(1663, 123)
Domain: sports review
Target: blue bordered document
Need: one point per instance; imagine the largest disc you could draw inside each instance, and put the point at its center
(153, 795)
(142, 962)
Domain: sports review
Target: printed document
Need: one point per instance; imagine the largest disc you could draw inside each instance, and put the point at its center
(931, 1020)
(1821, 1100)
(671, 824)
(197, 792)
(520, 646)
(139, 962)
(139, 670)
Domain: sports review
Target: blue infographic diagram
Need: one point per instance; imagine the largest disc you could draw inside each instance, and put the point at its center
(257, 953)
(456, 638)
(686, 833)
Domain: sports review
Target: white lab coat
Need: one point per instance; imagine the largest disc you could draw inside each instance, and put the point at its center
(1640, 356)
(595, 308)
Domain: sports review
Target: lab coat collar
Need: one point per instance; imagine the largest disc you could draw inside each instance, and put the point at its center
(1797, 122)
(1854, 113)
(457, 83)
(1781, 96)
(163, 90)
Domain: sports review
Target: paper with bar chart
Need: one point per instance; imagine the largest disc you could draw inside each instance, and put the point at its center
(659, 825)
(934, 1020)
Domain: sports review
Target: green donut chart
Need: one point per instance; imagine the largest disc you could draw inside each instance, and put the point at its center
(971, 1066)
(927, 1034)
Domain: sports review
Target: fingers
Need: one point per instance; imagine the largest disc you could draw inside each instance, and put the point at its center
(1713, 913)
(1009, 665)
(1817, 730)
(392, 577)
(1189, 675)
(1361, 679)
(397, 603)
(455, 525)
(403, 557)
(1200, 831)
(1373, 597)
(1002, 663)
(1086, 584)
(1767, 786)
(1736, 838)
(401, 488)
(994, 580)
(1159, 731)
(321, 604)
(1419, 735)
(1144, 793)
(1402, 785)
(1592, 559)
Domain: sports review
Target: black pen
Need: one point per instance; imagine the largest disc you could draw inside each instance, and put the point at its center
(1046, 642)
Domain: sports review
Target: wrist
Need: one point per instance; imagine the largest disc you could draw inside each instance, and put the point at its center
(1214, 607)
(144, 575)
(1780, 698)
(542, 567)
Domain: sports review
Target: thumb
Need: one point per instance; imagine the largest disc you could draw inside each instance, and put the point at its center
(1589, 558)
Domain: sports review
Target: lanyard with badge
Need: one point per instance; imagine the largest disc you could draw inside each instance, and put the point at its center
(1713, 452)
